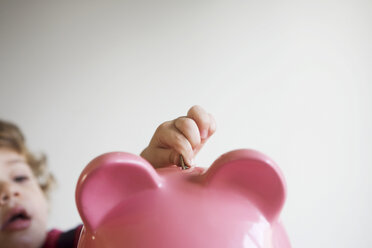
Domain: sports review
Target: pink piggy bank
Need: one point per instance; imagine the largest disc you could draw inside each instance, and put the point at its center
(124, 202)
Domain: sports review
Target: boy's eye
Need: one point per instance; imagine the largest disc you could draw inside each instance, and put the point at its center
(20, 179)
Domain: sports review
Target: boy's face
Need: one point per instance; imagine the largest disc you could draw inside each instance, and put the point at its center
(23, 206)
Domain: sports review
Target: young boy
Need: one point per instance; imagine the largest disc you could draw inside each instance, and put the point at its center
(25, 182)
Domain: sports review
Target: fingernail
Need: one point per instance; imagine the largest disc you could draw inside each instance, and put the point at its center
(204, 134)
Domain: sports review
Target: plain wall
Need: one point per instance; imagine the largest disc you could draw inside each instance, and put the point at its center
(289, 78)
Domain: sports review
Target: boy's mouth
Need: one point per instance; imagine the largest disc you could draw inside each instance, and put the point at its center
(16, 219)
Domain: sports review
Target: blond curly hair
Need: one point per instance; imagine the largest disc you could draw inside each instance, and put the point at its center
(12, 138)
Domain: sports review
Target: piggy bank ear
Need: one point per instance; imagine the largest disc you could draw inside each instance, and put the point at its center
(253, 174)
(110, 179)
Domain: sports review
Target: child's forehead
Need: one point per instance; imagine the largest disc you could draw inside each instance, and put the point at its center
(9, 154)
(10, 159)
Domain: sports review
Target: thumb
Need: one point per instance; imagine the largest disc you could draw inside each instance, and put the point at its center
(160, 157)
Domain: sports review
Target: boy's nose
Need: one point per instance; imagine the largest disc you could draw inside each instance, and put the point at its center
(7, 192)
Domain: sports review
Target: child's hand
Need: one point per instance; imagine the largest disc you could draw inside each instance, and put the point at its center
(185, 135)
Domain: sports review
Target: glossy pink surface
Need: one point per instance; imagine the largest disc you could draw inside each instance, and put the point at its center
(236, 203)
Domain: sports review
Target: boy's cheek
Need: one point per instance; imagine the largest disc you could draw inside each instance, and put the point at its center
(37, 203)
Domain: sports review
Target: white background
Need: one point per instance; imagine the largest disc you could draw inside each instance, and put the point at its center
(289, 78)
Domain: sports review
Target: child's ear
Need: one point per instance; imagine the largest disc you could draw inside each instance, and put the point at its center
(110, 179)
(252, 174)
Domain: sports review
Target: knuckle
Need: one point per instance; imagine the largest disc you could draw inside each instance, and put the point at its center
(163, 126)
(196, 107)
(185, 124)
(195, 110)
(200, 116)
